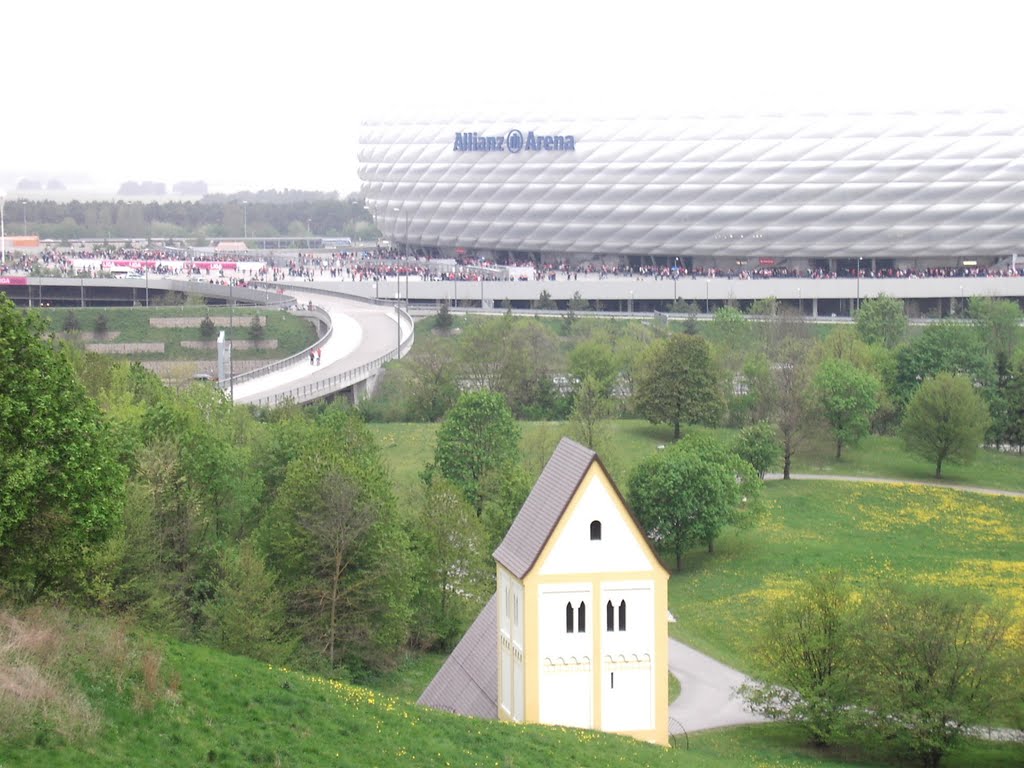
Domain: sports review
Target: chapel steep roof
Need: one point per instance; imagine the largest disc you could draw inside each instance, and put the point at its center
(467, 683)
(543, 508)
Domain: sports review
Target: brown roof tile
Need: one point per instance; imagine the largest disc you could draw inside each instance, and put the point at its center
(544, 506)
(467, 683)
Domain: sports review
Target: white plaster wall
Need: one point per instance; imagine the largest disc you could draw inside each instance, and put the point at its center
(566, 659)
(627, 701)
(567, 694)
(618, 551)
(510, 629)
(554, 641)
(639, 635)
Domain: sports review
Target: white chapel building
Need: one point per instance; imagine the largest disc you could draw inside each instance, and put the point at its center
(577, 631)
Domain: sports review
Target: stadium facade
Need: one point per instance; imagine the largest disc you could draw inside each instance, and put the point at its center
(905, 190)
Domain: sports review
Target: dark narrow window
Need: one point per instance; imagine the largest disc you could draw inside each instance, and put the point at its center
(568, 617)
(581, 618)
(609, 622)
(622, 616)
(613, 679)
(595, 530)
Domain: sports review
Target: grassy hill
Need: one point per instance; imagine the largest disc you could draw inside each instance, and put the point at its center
(162, 703)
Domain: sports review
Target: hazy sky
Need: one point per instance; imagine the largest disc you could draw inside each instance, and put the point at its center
(270, 95)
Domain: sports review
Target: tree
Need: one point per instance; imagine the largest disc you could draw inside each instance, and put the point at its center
(941, 347)
(247, 613)
(882, 320)
(687, 493)
(930, 664)
(911, 669)
(848, 397)
(71, 322)
(61, 486)
(595, 359)
(590, 408)
(256, 329)
(676, 383)
(804, 650)
(477, 436)
(207, 328)
(544, 301)
(758, 445)
(335, 538)
(998, 322)
(945, 421)
(1012, 432)
(455, 571)
(432, 379)
(786, 394)
(516, 357)
(444, 316)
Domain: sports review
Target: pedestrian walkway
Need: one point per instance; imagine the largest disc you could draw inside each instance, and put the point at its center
(708, 698)
(868, 479)
(363, 333)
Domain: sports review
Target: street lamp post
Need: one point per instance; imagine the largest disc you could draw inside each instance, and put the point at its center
(800, 300)
(707, 296)
(231, 335)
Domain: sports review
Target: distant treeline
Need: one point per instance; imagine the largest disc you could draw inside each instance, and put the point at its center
(267, 213)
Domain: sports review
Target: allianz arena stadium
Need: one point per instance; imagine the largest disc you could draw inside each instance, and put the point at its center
(902, 190)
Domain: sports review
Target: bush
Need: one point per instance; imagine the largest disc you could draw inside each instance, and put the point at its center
(71, 322)
(101, 324)
(207, 328)
(256, 329)
(444, 317)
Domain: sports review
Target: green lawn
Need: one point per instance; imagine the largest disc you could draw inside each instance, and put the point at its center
(408, 448)
(204, 707)
(864, 530)
(131, 325)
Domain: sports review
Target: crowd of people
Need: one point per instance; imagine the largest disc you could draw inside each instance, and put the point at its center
(387, 263)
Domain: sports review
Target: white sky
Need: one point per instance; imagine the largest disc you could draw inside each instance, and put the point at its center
(270, 94)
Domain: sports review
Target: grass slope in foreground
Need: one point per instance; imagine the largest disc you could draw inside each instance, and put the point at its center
(223, 710)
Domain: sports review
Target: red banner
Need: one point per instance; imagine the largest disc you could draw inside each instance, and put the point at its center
(766, 262)
(13, 280)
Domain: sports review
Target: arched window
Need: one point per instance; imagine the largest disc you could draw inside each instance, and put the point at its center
(609, 614)
(581, 618)
(568, 617)
(622, 616)
(595, 530)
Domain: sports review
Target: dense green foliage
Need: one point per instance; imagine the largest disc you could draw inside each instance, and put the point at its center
(303, 535)
(848, 397)
(689, 492)
(478, 438)
(676, 383)
(61, 486)
(882, 321)
(910, 668)
(945, 420)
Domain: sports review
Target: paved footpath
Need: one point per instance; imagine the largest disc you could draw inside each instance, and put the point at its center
(866, 479)
(362, 333)
(708, 698)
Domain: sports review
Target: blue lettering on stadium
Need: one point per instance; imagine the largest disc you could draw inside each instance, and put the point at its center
(514, 141)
